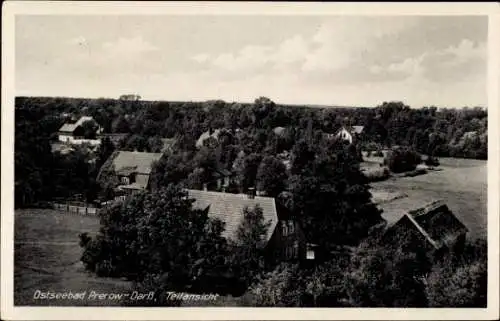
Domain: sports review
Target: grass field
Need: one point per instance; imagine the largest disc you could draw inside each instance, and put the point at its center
(462, 184)
(47, 258)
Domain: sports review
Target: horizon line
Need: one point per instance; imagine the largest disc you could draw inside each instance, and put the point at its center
(308, 105)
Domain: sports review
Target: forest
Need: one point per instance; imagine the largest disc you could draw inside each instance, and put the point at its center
(323, 189)
(248, 138)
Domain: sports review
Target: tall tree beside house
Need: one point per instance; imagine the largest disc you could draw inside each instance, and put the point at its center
(247, 258)
(157, 234)
(173, 169)
(331, 199)
(104, 151)
(88, 130)
(271, 176)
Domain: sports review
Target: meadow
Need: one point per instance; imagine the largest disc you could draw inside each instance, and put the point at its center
(461, 184)
(47, 258)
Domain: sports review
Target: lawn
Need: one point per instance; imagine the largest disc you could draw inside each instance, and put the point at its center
(47, 258)
(462, 184)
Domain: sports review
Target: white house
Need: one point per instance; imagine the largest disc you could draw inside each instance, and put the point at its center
(68, 133)
(348, 133)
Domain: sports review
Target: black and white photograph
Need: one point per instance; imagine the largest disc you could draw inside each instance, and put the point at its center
(275, 160)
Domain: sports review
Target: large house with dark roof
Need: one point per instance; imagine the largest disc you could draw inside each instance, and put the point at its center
(285, 241)
(433, 228)
(72, 132)
(132, 169)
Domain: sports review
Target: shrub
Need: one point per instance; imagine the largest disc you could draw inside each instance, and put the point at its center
(431, 161)
(402, 160)
(377, 174)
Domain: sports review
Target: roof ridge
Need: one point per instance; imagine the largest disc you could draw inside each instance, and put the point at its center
(422, 231)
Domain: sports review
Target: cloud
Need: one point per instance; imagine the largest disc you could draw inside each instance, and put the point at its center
(200, 58)
(127, 47)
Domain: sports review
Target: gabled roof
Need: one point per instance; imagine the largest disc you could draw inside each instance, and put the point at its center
(168, 143)
(436, 223)
(142, 162)
(352, 129)
(357, 129)
(70, 127)
(206, 135)
(125, 163)
(229, 209)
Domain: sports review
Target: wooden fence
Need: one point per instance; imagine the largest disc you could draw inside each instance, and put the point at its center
(76, 209)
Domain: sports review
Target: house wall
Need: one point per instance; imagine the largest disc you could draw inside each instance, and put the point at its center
(76, 141)
(279, 242)
(344, 134)
(142, 179)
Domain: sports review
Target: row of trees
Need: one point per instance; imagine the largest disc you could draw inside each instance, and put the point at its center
(379, 276)
(432, 131)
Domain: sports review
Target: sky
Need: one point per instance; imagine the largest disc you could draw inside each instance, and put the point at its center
(326, 60)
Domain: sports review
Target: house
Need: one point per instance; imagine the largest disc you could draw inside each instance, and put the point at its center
(221, 177)
(284, 239)
(168, 144)
(206, 135)
(132, 169)
(349, 133)
(73, 132)
(433, 228)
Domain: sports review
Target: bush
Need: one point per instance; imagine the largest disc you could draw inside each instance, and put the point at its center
(377, 174)
(431, 161)
(402, 160)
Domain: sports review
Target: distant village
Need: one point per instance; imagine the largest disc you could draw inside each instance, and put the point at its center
(433, 226)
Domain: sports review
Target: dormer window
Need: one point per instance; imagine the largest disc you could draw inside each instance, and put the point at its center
(125, 180)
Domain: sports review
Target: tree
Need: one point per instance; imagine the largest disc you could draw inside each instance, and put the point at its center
(332, 201)
(247, 259)
(277, 288)
(460, 281)
(88, 129)
(402, 159)
(157, 234)
(271, 176)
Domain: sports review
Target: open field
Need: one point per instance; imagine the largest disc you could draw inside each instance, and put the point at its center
(47, 258)
(462, 184)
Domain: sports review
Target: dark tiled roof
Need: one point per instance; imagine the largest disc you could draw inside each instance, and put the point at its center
(437, 223)
(229, 208)
(126, 163)
(142, 162)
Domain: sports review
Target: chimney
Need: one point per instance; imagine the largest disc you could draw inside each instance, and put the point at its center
(251, 192)
(205, 187)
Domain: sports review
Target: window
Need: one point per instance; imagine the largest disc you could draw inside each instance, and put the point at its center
(125, 180)
(291, 227)
(284, 228)
(295, 249)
